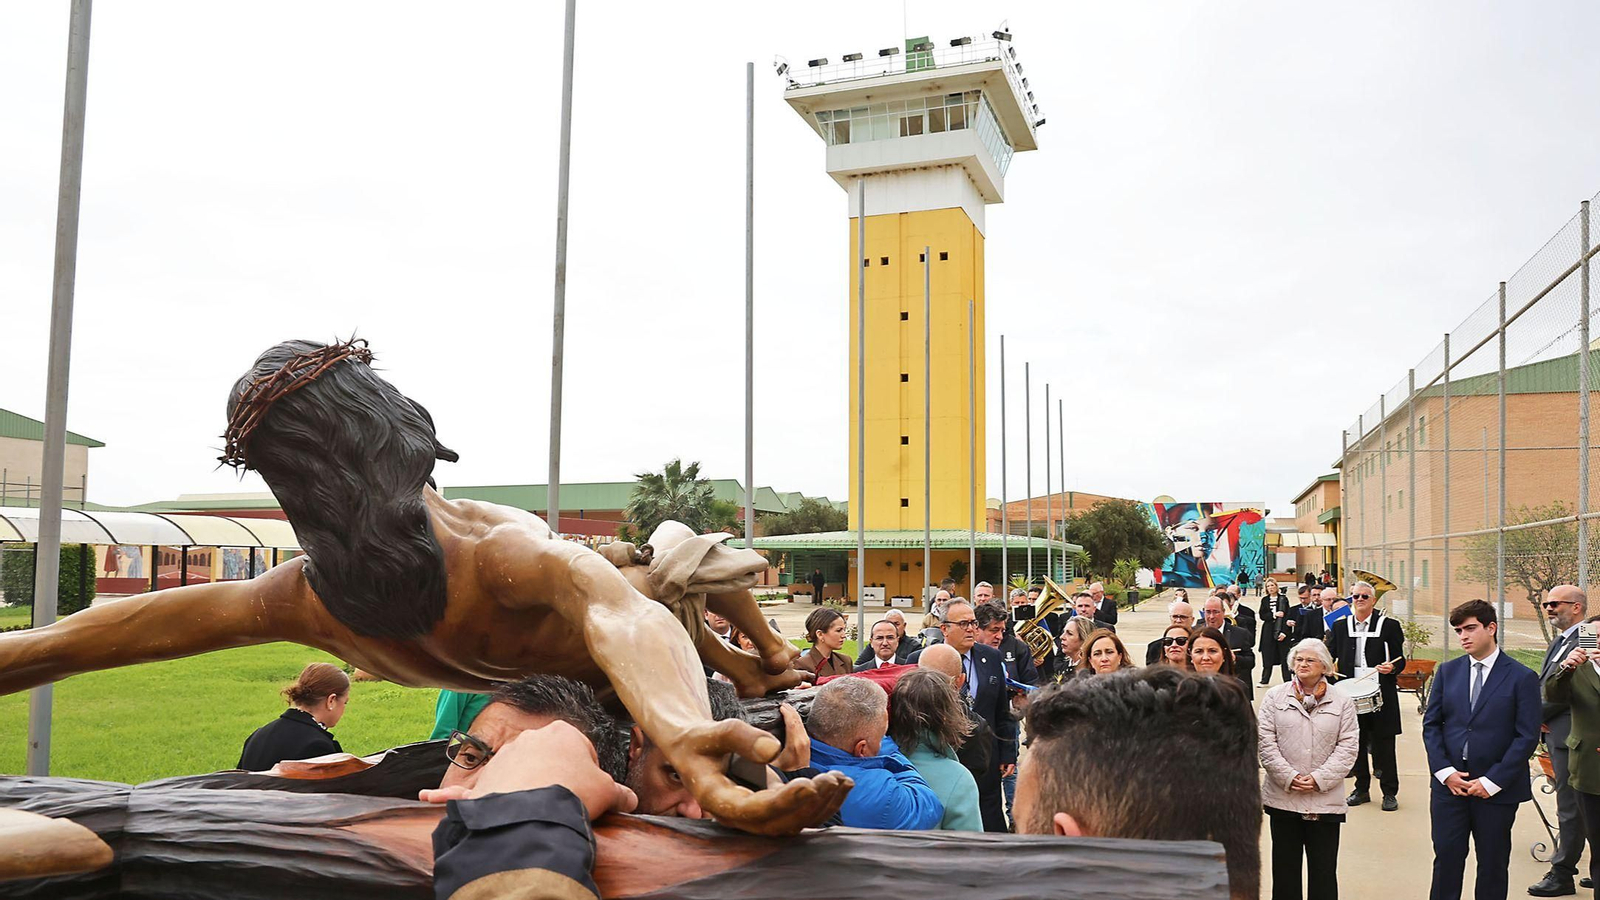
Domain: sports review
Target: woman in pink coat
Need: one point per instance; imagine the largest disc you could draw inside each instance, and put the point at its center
(1308, 743)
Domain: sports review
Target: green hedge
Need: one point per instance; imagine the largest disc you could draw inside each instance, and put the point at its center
(16, 577)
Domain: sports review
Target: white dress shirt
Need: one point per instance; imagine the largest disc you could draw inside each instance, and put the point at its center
(1488, 666)
(880, 663)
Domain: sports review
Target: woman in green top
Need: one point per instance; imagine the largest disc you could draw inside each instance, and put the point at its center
(454, 711)
(929, 723)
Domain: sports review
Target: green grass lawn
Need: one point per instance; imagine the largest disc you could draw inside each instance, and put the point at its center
(850, 648)
(15, 615)
(192, 715)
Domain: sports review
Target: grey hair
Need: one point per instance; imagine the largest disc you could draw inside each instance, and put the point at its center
(1018, 592)
(842, 707)
(1316, 648)
(982, 584)
(1365, 585)
(895, 614)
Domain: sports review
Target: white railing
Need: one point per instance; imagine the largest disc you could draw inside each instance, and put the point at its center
(871, 65)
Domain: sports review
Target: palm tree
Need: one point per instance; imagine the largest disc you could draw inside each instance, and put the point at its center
(676, 492)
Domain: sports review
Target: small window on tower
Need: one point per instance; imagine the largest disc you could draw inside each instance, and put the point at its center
(943, 255)
(904, 377)
(865, 263)
(905, 502)
(922, 257)
(904, 317)
(883, 260)
(905, 439)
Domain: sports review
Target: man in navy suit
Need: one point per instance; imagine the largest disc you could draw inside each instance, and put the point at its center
(986, 692)
(1482, 723)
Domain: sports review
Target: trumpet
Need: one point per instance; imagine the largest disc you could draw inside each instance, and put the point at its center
(1032, 632)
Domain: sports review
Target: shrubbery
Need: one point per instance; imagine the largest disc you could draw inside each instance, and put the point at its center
(16, 577)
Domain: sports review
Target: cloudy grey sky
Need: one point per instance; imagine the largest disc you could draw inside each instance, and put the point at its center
(1244, 222)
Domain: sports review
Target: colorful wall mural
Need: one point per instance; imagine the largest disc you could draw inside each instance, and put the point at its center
(1213, 544)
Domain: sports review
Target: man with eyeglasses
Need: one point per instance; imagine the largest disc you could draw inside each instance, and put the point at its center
(1566, 607)
(1301, 622)
(629, 757)
(985, 691)
(1369, 645)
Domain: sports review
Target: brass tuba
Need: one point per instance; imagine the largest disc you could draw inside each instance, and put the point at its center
(1032, 632)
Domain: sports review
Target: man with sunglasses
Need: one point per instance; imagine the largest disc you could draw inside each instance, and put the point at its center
(986, 694)
(1565, 606)
(1368, 644)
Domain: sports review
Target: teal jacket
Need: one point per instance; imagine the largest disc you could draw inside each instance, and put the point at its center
(454, 711)
(952, 784)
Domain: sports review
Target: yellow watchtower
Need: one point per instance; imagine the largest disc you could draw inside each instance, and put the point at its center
(931, 131)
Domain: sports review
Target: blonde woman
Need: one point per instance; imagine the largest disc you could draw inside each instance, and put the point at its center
(1273, 643)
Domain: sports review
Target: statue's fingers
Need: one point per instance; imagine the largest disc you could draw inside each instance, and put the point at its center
(750, 742)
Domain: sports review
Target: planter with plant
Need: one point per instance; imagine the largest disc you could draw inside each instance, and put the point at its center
(1417, 671)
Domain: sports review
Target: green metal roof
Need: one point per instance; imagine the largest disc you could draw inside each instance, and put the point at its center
(1334, 476)
(1328, 516)
(17, 425)
(201, 502)
(599, 495)
(940, 538)
(1550, 376)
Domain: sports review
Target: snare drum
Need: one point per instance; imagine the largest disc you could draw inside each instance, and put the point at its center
(1365, 693)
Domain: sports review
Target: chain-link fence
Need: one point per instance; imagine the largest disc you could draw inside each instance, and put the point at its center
(1469, 479)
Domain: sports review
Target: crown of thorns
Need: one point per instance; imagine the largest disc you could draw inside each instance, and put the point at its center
(264, 390)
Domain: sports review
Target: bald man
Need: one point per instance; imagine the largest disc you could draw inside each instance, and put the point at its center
(1565, 606)
(977, 754)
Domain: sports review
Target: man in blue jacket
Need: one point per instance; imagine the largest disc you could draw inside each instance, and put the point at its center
(1482, 723)
(848, 726)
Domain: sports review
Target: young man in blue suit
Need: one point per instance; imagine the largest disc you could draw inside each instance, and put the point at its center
(1482, 723)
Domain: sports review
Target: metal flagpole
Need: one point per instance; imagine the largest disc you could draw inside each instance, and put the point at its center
(47, 550)
(1061, 461)
(1027, 456)
(558, 330)
(749, 304)
(927, 413)
(861, 406)
(972, 445)
(1005, 513)
(1048, 518)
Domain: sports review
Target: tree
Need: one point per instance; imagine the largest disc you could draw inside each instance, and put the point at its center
(16, 577)
(676, 492)
(810, 517)
(1536, 559)
(1117, 529)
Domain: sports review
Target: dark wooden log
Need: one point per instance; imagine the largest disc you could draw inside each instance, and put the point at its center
(225, 839)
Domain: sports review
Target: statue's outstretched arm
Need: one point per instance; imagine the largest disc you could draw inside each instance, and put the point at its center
(654, 669)
(165, 624)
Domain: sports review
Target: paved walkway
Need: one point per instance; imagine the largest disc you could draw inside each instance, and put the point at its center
(1382, 855)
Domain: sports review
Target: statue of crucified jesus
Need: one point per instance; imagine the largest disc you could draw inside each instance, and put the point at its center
(425, 591)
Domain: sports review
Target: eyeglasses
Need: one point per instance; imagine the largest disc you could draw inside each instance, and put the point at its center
(1552, 604)
(1174, 641)
(1362, 596)
(964, 623)
(466, 751)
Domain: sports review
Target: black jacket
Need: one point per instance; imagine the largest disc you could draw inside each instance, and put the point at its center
(1388, 643)
(293, 735)
(1107, 611)
(1269, 624)
(1018, 660)
(907, 646)
(539, 839)
(1302, 622)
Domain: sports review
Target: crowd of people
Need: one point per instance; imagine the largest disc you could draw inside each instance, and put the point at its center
(931, 726)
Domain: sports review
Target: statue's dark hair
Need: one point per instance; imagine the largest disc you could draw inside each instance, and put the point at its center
(347, 456)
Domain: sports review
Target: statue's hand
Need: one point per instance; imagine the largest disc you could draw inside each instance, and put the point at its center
(700, 756)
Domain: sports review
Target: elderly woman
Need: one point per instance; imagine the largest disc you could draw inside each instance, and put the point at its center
(825, 629)
(929, 723)
(1103, 653)
(1308, 739)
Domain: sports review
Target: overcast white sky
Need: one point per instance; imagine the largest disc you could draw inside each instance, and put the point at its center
(1241, 213)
